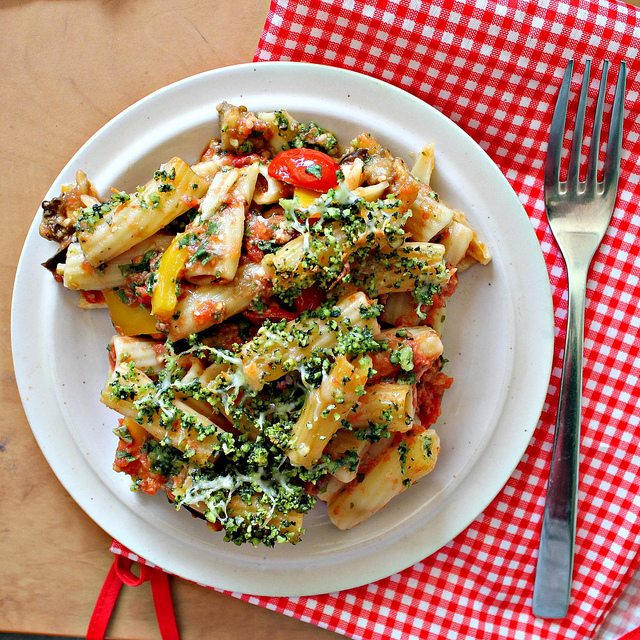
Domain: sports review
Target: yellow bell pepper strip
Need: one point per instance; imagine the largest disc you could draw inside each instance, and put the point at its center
(137, 432)
(306, 197)
(164, 298)
(129, 321)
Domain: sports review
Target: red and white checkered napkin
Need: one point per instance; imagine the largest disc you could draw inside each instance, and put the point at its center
(494, 68)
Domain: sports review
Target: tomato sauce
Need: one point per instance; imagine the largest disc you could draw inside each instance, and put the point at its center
(131, 460)
(429, 397)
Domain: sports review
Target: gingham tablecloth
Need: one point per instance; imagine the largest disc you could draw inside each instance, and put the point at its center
(494, 68)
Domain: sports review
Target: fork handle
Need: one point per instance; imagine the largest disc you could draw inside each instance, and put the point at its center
(552, 589)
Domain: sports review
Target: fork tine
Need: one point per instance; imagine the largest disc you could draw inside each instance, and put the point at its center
(594, 151)
(614, 142)
(573, 175)
(556, 132)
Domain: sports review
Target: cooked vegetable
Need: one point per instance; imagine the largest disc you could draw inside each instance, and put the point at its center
(306, 168)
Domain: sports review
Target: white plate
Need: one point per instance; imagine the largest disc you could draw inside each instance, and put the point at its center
(499, 340)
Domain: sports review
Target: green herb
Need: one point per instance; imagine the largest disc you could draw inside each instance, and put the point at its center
(314, 170)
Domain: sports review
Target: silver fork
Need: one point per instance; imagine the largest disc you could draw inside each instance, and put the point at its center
(579, 214)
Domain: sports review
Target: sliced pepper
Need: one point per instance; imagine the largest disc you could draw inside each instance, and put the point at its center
(164, 297)
(306, 197)
(137, 432)
(129, 321)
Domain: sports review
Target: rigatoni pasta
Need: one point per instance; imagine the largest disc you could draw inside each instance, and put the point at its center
(278, 308)
(324, 410)
(107, 229)
(218, 228)
(388, 475)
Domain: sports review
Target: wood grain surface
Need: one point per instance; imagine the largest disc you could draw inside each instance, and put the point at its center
(69, 66)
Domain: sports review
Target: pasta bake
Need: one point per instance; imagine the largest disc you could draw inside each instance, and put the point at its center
(278, 309)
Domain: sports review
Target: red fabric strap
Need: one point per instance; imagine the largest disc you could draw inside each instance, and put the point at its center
(120, 573)
(163, 605)
(104, 606)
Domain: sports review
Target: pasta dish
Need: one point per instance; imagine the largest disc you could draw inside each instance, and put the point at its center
(278, 309)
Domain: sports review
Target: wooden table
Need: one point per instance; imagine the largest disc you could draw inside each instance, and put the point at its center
(68, 67)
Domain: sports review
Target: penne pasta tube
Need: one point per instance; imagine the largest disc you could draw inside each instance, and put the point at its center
(424, 341)
(215, 235)
(437, 318)
(429, 215)
(131, 393)
(388, 475)
(324, 410)
(456, 240)
(108, 229)
(410, 266)
(196, 371)
(79, 274)
(385, 403)
(289, 266)
(330, 487)
(253, 514)
(424, 164)
(268, 190)
(284, 129)
(372, 192)
(346, 448)
(212, 372)
(288, 524)
(476, 251)
(412, 349)
(209, 304)
(208, 169)
(352, 172)
(400, 309)
(194, 368)
(270, 356)
(326, 252)
(145, 355)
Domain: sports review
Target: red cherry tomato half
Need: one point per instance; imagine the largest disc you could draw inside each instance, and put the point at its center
(305, 168)
(310, 299)
(273, 311)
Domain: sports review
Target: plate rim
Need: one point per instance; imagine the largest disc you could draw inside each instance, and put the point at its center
(149, 551)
